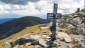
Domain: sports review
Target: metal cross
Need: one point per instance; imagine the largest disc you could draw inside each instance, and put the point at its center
(53, 27)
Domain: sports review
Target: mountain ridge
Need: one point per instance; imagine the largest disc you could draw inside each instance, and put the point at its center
(14, 26)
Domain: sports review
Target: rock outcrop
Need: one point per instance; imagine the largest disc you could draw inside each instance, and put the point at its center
(75, 23)
(64, 36)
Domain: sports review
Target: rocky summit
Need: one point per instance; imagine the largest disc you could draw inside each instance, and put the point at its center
(70, 33)
(64, 40)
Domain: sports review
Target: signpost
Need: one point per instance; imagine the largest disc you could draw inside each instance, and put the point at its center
(53, 16)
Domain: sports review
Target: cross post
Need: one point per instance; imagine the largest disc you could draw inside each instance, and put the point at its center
(53, 27)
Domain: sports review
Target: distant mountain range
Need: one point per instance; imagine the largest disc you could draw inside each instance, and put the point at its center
(7, 17)
(16, 25)
(3, 20)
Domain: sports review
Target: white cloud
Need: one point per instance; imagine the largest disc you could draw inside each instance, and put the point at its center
(41, 7)
(82, 4)
(1, 7)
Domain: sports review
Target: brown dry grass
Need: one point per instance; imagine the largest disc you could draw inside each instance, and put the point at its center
(20, 34)
(29, 30)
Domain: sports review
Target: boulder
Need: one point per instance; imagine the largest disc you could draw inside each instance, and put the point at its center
(28, 44)
(65, 36)
(6, 45)
(17, 46)
(37, 46)
(62, 46)
(35, 37)
(31, 46)
(42, 42)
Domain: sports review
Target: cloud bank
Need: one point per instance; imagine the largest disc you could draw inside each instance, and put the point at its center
(37, 7)
(19, 2)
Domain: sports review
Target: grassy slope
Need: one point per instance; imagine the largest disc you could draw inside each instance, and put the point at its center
(28, 30)
(25, 31)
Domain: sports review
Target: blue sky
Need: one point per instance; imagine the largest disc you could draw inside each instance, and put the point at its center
(77, 0)
(38, 8)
